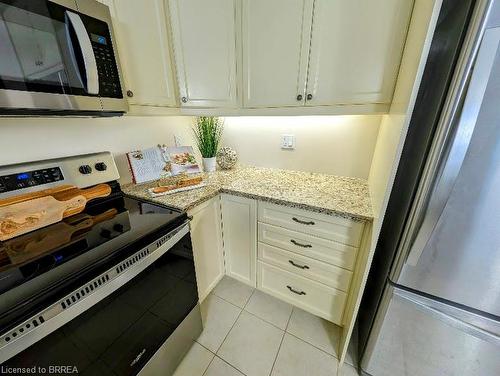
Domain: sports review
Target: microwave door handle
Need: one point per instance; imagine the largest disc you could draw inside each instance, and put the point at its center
(89, 61)
(70, 39)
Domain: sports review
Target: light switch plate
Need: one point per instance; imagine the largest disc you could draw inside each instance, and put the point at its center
(288, 141)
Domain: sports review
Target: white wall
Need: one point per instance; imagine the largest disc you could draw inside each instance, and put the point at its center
(30, 139)
(393, 132)
(394, 125)
(339, 145)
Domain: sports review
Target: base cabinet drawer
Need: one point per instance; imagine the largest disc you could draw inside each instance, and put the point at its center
(330, 275)
(324, 250)
(339, 229)
(309, 295)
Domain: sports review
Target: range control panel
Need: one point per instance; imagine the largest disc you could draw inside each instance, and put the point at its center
(81, 171)
(27, 179)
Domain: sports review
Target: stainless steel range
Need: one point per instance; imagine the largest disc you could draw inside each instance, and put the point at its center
(109, 291)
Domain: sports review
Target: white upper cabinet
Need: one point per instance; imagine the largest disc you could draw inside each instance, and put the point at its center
(356, 49)
(276, 37)
(142, 42)
(235, 57)
(204, 41)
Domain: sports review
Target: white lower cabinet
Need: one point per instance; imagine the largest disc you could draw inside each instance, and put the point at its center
(307, 294)
(310, 246)
(330, 275)
(305, 258)
(239, 218)
(312, 260)
(208, 253)
(341, 230)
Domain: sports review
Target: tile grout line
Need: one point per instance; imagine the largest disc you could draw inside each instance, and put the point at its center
(285, 331)
(206, 348)
(224, 340)
(281, 343)
(303, 340)
(229, 331)
(289, 318)
(267, 322)
(209, 364)
(316, 347)
(227, 301)
(248, 300)
(229, 364)
(243, 310)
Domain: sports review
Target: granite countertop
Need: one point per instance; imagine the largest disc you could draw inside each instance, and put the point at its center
(329, 194)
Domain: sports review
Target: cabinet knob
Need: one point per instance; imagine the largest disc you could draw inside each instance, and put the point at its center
(184, 99)
(309, 97)
(299, 97)
(130, 93)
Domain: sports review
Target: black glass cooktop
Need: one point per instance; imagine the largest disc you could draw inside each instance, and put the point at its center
(44, 261)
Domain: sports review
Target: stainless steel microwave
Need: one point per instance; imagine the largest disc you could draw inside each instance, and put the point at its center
(58, 57)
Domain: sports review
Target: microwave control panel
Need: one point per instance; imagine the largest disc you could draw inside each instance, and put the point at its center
(109, 80)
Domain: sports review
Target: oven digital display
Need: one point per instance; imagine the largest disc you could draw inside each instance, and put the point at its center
(27, 179)
(98, 39)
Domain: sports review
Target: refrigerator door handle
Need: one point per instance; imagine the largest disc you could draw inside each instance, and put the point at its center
(450, 316)
(451, 143)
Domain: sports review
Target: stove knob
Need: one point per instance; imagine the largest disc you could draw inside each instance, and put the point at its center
(85, 169)
(101, 166)
(118, 227)
(105, 233)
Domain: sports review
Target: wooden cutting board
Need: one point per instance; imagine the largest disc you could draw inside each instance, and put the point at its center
(29, 246)
(19, 217)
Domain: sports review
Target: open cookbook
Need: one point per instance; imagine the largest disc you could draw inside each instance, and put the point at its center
(161, 162)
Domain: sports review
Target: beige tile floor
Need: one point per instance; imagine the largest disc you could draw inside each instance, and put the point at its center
(249, 333)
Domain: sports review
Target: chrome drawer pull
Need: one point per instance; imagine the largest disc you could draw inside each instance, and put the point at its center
(300, 244)
(303, 222)
(295, 291)
(298, 266)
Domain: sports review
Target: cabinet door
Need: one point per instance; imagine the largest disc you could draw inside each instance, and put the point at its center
(142, 43)
(276, 36)
(206, 235)
(356, 49)
(204, 36)
(239, 223)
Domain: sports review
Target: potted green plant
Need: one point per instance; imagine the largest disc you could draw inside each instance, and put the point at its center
(208, 134)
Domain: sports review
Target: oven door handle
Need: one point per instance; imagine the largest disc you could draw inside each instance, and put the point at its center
(90, 75)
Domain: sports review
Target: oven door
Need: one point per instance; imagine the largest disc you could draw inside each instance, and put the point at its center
(115, 323)
(53, 58)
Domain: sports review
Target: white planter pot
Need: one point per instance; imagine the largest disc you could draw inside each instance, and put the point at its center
(209, 164)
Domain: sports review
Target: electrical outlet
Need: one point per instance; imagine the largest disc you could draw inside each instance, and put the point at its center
(288, 141)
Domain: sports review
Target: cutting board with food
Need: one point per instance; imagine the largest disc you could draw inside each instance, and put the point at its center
(180, 185)
(22, 214)
(34, 244)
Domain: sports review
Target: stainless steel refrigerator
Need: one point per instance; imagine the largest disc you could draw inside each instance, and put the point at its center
(432, 303)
